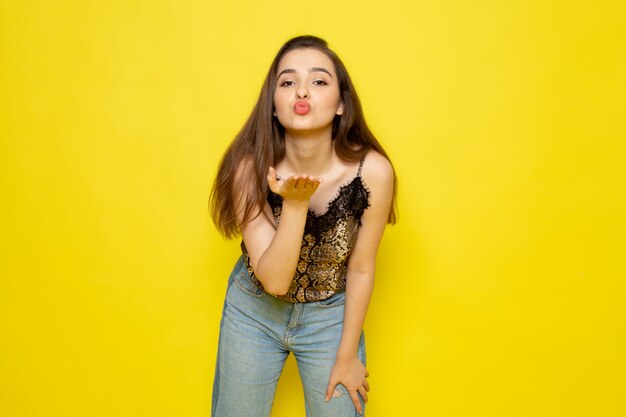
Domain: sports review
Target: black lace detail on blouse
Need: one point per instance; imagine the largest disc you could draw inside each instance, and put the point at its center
(327, 243)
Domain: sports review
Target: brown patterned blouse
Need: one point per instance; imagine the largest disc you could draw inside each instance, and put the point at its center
(326, 245)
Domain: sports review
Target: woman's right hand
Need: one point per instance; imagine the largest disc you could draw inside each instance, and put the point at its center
(295, 188)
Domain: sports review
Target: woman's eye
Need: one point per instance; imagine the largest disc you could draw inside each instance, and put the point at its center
(287, 83)
(319, 82)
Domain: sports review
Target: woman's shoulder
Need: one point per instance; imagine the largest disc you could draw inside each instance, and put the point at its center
(246, 162)
(244, 169)
(376, 167)
(378, 177)
(244, 181)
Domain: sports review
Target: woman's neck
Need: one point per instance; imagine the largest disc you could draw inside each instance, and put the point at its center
(309, 154)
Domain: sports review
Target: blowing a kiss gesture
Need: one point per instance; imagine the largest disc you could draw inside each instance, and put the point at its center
(297, 188)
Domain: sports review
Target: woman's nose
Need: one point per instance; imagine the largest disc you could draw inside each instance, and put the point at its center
(302, 92)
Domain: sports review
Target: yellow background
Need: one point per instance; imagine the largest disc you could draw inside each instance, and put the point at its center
(500, 293)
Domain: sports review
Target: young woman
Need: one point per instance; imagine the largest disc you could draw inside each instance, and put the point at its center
(310, 190)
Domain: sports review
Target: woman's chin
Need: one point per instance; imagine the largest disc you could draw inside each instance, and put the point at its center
(308, 129)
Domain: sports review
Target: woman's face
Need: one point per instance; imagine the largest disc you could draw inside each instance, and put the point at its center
(306, 98)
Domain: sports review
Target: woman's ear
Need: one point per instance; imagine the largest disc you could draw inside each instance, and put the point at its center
(340, 109)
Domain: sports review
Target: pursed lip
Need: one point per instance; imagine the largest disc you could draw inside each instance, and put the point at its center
(301, 107)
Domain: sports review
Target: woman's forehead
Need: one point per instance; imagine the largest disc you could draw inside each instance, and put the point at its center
(305, 58)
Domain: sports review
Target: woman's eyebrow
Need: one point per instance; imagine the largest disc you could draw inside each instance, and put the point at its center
(320, 69)
(312, 69)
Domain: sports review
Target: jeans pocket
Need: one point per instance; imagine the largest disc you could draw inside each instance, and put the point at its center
(335, 300)
(246, 285)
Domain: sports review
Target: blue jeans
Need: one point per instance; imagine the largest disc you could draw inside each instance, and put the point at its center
(257, 332)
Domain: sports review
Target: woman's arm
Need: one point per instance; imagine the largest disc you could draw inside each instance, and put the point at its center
(348, 370)
(274, 251)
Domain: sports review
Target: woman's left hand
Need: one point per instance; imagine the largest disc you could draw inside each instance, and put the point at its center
(351, 373)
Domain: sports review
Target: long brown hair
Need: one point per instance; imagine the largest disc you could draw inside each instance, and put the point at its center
(261, 141)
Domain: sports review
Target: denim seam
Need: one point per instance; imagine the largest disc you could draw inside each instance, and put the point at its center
(337, 304)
